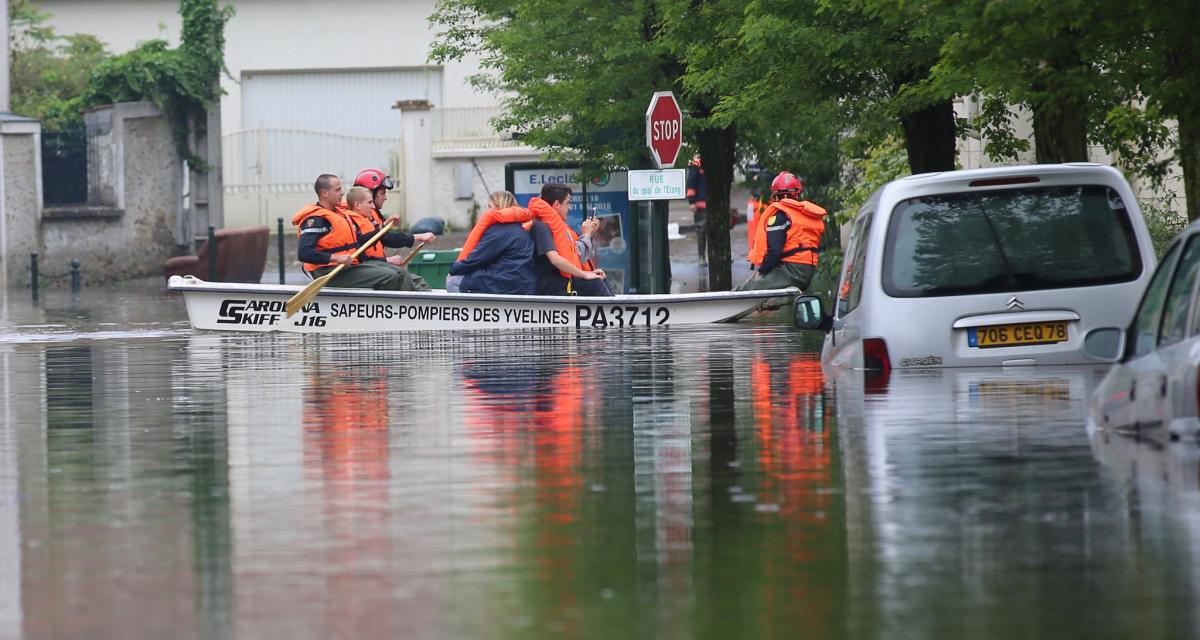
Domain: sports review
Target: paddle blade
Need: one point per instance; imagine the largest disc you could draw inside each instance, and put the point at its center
(296, 302)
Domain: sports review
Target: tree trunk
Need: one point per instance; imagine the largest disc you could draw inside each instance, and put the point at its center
(1189, 161)
(1059, 111)
(930, 138)
(1060, 132)
(716, 153)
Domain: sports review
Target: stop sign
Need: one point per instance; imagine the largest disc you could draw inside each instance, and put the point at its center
(664, 129)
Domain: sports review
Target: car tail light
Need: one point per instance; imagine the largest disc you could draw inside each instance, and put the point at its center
(875, 355)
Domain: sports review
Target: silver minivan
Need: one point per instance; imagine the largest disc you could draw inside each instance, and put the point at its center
(987, 267)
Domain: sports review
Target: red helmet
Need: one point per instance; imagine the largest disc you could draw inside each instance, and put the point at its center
(787, 183)
(373, 179)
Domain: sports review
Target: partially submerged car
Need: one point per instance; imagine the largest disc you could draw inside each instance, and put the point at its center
(1154, 385)
(988, 267)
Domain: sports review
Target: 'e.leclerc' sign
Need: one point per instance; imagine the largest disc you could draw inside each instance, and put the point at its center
(661, 184)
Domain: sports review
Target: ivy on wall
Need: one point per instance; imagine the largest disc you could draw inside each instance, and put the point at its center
(183, 82)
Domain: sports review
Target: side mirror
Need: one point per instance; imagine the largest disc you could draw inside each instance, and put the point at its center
(1106, 344)
(809, 314)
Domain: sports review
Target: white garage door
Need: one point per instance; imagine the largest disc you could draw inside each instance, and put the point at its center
(348, 102)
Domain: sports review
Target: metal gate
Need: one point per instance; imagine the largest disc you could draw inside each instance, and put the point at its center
(64, 167)
(269, 173)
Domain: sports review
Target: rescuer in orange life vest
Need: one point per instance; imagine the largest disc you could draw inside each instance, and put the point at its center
(379, 183)
(785, 241)
(329, 233)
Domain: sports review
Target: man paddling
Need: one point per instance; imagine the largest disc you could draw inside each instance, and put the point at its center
(329, 234)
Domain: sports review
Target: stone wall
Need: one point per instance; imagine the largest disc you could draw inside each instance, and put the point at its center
(128, 229)
(20, 146)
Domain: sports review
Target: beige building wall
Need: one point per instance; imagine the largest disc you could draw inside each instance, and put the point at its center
(282, 35)
(971, 155)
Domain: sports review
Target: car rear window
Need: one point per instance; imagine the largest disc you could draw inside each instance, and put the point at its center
(1010, 240)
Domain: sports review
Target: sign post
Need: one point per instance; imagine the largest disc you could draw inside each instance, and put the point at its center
(664, 138)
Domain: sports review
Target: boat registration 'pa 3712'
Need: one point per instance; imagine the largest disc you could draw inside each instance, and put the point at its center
(218, 306)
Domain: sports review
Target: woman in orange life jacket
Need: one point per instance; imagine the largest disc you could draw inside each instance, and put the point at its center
(787, 241)
(378, 184)
(501, 209)
(329, 234)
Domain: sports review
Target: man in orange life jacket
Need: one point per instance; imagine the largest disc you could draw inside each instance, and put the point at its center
(786, 241)
(560, 269)
(378, 184)
(330, 233)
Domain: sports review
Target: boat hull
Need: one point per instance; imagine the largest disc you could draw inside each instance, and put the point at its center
(260, 307)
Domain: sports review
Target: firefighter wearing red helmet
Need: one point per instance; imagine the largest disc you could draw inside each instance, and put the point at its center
(378, 183)
(786, 239)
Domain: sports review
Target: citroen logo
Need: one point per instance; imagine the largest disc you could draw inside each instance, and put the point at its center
(1014, 304)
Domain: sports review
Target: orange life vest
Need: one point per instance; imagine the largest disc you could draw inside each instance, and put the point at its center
(564, 236)
(347, 228)
(756, 209)
(377, 250)
(803, 237)
(489, 218)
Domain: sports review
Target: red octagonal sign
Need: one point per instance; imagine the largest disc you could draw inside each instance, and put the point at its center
(664, 129)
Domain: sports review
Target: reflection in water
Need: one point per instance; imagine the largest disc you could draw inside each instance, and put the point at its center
(1158, 486)
(531, 412)
(681, 483)
(345, 420)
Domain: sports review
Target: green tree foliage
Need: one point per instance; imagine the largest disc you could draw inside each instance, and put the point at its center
(48, 72)
(1162, 58)
(183, 81)
(859, 55)
(869, 167)
(577, 76)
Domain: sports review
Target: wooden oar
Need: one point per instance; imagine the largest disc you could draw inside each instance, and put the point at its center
(308, 293)
(410, 256)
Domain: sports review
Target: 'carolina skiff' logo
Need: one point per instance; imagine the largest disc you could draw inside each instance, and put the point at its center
(252, 312)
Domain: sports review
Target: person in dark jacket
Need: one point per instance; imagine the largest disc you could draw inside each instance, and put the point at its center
(502, 262)
(697, 197)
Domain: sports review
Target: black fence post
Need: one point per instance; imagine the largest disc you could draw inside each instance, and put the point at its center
(212, 254)
(279, 238)
(33, 275)
(75, 277)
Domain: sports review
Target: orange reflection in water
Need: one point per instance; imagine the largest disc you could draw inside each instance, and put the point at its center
(346, 456)
(530, 419)
(796, 458)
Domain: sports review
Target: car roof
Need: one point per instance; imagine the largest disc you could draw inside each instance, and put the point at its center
(923, 184)
(1039, 170)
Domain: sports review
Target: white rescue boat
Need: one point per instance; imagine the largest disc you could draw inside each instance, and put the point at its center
(219, 306)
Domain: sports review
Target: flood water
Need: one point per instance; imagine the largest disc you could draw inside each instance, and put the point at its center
(695, 482)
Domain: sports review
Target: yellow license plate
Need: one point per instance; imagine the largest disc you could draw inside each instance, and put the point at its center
(1012, 335)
